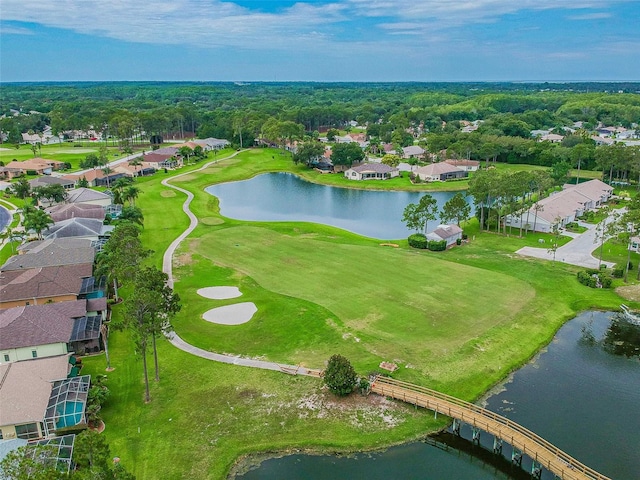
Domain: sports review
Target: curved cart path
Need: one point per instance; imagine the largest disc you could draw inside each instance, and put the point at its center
(167, 267)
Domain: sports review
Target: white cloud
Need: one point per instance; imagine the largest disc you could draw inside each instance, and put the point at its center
(14, 30)
(303, 26)
(194, 22)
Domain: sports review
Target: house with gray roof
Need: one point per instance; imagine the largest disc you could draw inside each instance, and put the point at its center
(413, 151)
(90, 228)
(51, 253)
(448, 233)
(371, 171)
(49, 180)
(86, 195)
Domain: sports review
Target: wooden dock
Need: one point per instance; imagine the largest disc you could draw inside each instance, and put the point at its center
(521, 439)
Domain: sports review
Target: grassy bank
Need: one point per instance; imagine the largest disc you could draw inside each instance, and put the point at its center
(458, 321)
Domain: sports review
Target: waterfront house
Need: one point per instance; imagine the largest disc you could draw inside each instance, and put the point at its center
(371, 171)
(440, 172)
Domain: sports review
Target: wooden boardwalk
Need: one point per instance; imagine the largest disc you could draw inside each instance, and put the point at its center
(525, 441)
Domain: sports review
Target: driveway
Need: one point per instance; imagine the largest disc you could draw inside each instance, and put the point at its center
(576, 252)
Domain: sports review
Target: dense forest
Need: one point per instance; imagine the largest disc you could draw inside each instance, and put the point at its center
(429, 114)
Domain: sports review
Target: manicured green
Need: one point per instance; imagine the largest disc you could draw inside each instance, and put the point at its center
(458, 321)
(72, 153)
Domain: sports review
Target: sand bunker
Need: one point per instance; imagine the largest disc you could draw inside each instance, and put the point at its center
(219, 293)
(236, 314)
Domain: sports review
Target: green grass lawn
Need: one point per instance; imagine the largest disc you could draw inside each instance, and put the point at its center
(72, 153)
(458, 321)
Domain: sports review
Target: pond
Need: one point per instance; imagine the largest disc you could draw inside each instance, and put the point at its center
(286, 197)
(581, 393)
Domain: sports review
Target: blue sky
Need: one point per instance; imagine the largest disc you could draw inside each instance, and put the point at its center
(318, 40)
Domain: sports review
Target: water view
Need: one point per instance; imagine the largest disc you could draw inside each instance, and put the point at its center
(286, 197)
(581, 393)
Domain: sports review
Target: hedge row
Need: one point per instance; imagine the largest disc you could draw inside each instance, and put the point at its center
(419, 240)
(591, 278)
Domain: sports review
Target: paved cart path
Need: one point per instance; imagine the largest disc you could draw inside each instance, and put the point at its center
(167, 267)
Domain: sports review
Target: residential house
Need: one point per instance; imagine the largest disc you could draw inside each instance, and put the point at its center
(12, 172)
(413, 151)
(440, 172)
(563, 207)
(133, 170)
(97, 177)
(371, 171)
(25, 392)
(208, 144)
(466, 165)
(88, 196)
(41, 166)
(49, 180)
(51, 253)
(551, 137)
(65, 211)
(89, 228)
(450, 233)
(595, 190)
(48, 330)
(35, 286)
(158, 161)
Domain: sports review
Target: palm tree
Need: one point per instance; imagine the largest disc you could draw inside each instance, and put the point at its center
(38, 221)
(131, 193)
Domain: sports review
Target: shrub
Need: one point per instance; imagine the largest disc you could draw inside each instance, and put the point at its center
(437, 246)
(458, 241)
(605, 281)
(418, 240)
(617, 272)
(340, 376)
(630, 265)
(465, 236)
(592, 271)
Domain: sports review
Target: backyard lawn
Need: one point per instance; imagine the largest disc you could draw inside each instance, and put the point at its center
(458, 321)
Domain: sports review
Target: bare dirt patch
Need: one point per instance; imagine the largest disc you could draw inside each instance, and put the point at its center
(629, 292)
(181, 260)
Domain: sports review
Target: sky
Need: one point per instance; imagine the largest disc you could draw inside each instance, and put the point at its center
(319, 40)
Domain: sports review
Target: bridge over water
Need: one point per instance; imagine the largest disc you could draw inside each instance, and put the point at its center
(523, 441)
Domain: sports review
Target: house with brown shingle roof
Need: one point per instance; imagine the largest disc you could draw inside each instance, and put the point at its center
(35, 286)
(41, 166)
(371, 171)
(65, 211)
(159, 161)
(466, 165)
(48, 330)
